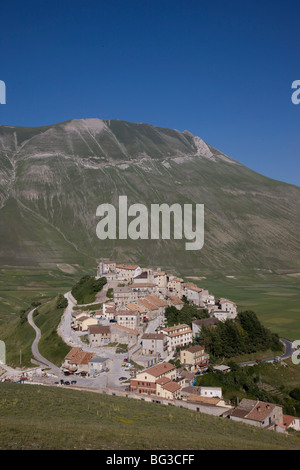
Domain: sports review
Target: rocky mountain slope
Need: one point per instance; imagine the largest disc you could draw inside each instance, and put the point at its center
(53, 178)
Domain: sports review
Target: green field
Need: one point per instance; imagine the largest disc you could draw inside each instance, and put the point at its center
(274, 298)
(45, 418)
(19, 286)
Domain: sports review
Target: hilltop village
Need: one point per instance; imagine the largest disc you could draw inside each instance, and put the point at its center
(129, 336)
(140, 297)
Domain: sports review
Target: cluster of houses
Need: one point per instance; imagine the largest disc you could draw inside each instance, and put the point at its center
(143, 294)
(84, 363)
(165, 382)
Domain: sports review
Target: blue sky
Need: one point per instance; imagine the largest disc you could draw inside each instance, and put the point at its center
(222, 70)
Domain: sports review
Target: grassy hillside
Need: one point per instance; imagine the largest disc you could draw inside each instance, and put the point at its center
(18, 335)
(53, 181)
(36, 417)
(47, 318)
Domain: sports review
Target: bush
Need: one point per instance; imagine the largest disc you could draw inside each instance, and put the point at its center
(295, 393)
(62, 302)
(86, 288)
(23, 317)
(186, 315)
(109, 293)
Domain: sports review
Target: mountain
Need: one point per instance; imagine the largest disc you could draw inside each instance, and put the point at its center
(53, 178)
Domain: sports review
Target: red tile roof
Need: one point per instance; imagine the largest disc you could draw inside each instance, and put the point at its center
(160, 369)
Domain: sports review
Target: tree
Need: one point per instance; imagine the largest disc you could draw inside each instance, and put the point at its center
(61, 302)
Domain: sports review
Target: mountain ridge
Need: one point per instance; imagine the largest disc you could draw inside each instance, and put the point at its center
(52, 178)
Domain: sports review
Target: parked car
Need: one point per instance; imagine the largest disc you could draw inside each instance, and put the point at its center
(123, 378)
(67, 383)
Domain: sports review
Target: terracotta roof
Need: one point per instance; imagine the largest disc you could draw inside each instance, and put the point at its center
(178, 333)
(153, 336)
(77, 313)
(208, 400)
(192, 286)
(287, 420)
(99, 329)
(127, 266)
(175, 300)
(129, 313)
(253, 410)
(177, 330)
(135, 306)
(163, 380)
(159, 369)
(171, 386)
(124, 328)
(143, 275)
(84, 317)
(186, 374)
(109, 309)
(260, 411)
(77, 356)
(156, 301)
(146, 304)
(72, 352)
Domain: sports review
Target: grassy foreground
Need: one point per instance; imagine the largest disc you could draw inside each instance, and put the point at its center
(43, 418)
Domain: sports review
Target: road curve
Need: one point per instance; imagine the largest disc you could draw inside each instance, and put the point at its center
(34, 346)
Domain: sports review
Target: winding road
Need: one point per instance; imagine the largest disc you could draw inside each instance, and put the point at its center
(72, 339)
(34, 347)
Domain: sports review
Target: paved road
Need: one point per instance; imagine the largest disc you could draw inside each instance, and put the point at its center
(115, 361)
(35, 349)
(287, 354)
(288, 348)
